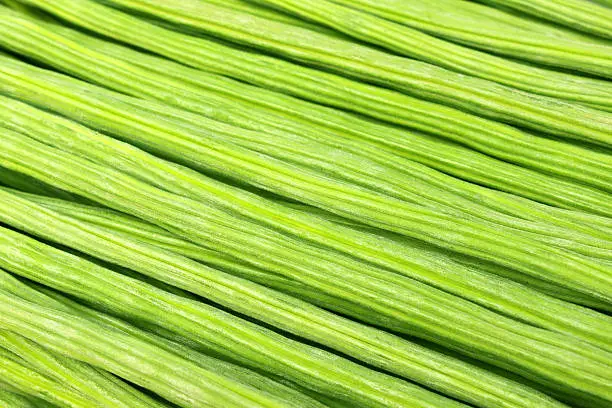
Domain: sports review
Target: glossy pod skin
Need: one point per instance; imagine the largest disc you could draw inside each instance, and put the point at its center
(421, 305)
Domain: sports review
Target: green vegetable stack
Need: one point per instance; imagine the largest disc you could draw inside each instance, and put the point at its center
(323, 203)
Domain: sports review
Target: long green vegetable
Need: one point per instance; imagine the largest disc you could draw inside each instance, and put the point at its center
(97, 300)
(73, 132)
(215, 133)
(415, 220)
(115, 227)
(267, 203)
(280, 112)
(291, 286)
(270, 14)
(46, 297)
(189, 350)
(28, 184)
(177, 379)
(580, 15)
(263, 348)
(408, 305)
(604, 2)
(12, 399)
(19, 376)
(102, 388)
(205, 99)
(476, 95)
(503, 19)
(319, 161)
(400, 39)
(218, 88)
(372, 346)
(493, 30)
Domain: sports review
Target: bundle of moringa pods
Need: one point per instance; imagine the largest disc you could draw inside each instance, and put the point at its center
(305, 203)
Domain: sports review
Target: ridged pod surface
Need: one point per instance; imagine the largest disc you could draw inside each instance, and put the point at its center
(306, 365)
(103, 389)
(406, 218)
(334, 167)
(372, 346)
(555, 315)
(23, 379)
(472, 88)
(67, 134)
(158, 337)
(496, 31)
(281, 116)
(410, 219)
(425, 311)
(178, 380)
(422, 80)
(581, 15)
(240, 27)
